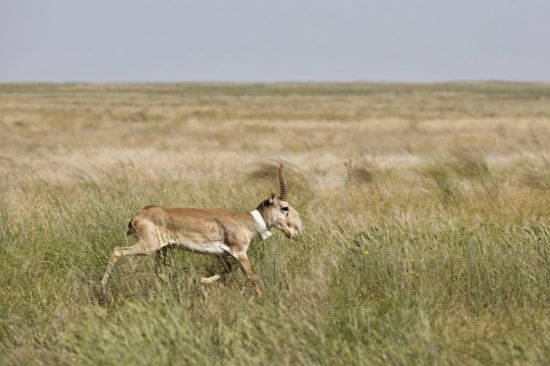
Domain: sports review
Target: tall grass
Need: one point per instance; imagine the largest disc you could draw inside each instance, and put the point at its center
(466, 283)
(427, 239)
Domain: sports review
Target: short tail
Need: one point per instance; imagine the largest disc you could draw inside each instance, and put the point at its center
(131, 228)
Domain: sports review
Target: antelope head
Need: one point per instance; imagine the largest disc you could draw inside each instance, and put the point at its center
(278, 214)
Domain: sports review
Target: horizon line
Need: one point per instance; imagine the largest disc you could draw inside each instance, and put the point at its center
(285, 82)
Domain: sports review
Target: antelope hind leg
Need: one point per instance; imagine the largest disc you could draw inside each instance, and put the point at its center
(118, 252)
(162, 261)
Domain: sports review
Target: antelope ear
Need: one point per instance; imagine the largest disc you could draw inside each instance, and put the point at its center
(271, 198)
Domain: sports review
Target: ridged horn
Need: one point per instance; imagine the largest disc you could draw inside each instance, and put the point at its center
(282, 183)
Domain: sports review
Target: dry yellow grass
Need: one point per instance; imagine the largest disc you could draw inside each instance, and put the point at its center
(216, 130)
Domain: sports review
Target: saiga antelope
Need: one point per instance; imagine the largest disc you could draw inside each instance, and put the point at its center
(218, 232)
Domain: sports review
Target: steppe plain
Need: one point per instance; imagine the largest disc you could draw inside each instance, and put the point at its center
(426, 213)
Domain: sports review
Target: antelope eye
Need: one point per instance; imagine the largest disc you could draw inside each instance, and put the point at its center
(285, 209)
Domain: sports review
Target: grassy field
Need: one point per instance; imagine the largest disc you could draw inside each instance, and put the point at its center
(426, 213)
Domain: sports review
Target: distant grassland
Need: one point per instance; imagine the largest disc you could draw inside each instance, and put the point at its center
(426, 212)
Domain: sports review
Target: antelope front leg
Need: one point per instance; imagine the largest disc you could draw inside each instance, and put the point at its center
(247, 267)
(209, 280)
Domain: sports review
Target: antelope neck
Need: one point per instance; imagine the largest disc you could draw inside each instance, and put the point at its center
(261, 226)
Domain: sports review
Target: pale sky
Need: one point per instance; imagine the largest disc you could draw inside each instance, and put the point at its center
(274, 41)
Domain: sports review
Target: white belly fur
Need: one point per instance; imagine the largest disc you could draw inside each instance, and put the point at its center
(214, 248)
(196, 246)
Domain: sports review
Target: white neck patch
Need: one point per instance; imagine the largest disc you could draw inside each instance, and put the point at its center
(262, 227)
